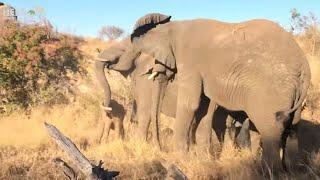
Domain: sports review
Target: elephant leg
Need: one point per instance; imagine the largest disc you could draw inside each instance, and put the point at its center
(242, 139)
(143, 114)
(188, 102)
(204, 131)
(118, 126)
(199, 115)
(133, 115)
(142, 91)
(271, 135)
(106, 130)
(231, 131)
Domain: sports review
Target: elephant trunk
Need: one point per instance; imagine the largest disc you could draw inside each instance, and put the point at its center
(159, 86)
(100, 74)
(126, 60)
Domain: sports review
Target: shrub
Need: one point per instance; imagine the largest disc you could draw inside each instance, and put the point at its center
(307, 26)
(35, 64)
(313, 99)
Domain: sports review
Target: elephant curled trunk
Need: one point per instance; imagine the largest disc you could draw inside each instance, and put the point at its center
(100, 74)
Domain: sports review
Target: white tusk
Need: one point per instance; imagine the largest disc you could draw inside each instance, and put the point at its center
(281, 153)
(100, 59)
(152, 75)
(237, 124)
(106, 108)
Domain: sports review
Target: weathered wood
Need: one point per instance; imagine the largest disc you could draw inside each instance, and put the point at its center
(71, 149)
(81, 162)
(89, 170)
(67, 170)
(175, 173)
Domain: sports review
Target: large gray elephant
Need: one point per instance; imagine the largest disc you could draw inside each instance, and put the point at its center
(253, 66)
(144, 90)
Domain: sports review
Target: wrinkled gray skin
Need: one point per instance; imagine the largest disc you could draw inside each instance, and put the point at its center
(145, 90)
(254, 66)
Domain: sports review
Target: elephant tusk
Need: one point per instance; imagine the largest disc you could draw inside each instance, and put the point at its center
(106, 108)
(100, 59)
(281, 153)
(237, 124)
(152, 75)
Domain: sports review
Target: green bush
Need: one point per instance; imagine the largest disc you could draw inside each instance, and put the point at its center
(36, 64)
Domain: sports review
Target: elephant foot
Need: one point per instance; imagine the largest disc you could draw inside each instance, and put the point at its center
(153, 140)
(203, 145)
(166, 136)
(180, 147)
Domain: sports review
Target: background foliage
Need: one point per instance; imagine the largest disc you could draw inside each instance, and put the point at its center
(36, 64)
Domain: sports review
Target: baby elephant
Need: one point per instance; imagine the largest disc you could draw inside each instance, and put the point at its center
(112, 120)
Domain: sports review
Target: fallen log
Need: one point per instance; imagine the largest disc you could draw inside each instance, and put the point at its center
(67, 170)
(91, 171)
(175, 173)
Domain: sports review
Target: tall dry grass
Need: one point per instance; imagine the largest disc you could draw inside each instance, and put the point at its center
(26, 150)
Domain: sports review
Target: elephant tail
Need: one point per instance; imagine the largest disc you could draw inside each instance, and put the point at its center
(305, 78)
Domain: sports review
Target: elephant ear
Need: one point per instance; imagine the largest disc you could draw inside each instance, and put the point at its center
(144, 64)
(147, 22)
(164, 59)
(152, 65)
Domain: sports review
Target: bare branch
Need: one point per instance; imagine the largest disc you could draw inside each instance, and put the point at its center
(81, 162)
(111, 32)
(175, 173)
(67, 170)
(71, 149)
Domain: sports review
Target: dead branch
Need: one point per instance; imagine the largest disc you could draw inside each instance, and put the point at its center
(175, 173)
(67, 170)
(81, 162)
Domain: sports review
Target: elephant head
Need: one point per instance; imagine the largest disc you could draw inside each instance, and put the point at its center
(120, 57)
(148, 38)
(157, 45)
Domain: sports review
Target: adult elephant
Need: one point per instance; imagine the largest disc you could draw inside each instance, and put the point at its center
(253, 66)
(145, 91)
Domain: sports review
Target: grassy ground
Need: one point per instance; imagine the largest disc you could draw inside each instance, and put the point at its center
(26, 150)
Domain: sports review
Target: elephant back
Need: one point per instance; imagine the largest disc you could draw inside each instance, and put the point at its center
(148, 22)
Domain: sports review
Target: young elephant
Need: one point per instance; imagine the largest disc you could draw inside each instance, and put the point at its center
(144, 89)
(254, 66)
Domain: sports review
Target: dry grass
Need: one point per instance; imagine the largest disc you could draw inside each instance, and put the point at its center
(312, 110)
(26, 150)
